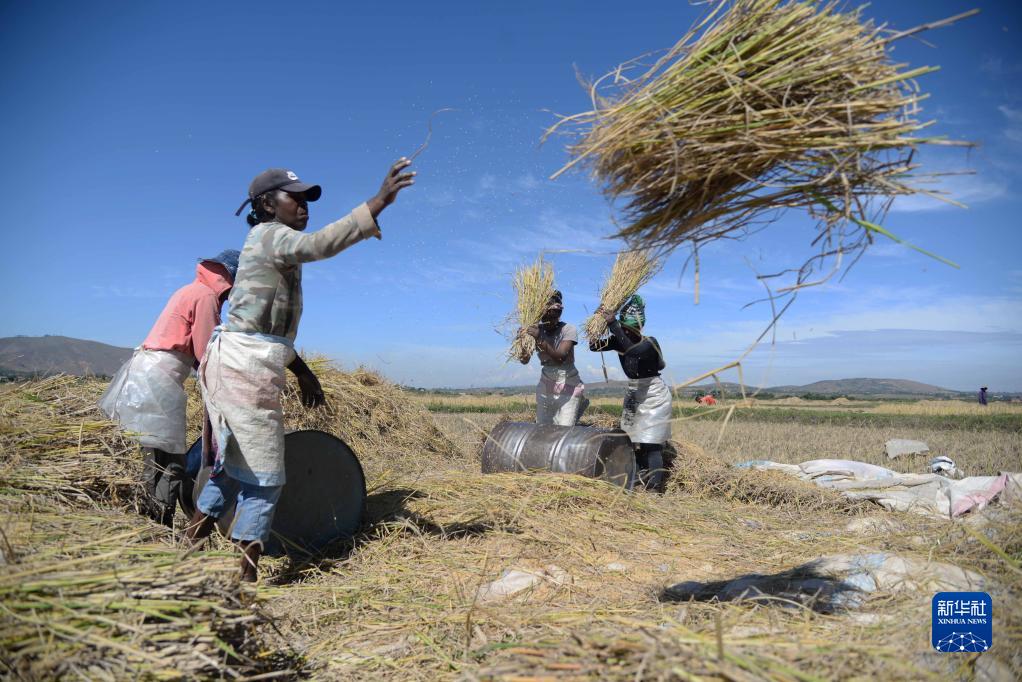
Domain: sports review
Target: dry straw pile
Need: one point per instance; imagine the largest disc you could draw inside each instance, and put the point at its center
(534, 285)
(763, 105)
(386, 429)
(90, 591)
(632, 269)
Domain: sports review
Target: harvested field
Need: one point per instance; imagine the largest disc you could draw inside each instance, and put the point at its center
(417, 594)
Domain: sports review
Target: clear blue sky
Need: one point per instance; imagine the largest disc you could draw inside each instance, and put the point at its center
(130, 132)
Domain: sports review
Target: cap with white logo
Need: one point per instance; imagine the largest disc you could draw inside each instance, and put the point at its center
(279, 178)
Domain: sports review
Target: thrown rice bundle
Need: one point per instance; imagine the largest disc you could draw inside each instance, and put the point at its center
(632, 270)
(534, 285)
(761, 106)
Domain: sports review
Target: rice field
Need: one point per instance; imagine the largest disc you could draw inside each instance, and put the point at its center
(91, 590)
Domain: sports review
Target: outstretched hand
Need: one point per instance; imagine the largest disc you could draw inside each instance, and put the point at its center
(392, 184)
(608, 315)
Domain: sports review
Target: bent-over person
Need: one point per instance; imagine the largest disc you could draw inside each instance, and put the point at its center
(147, 394)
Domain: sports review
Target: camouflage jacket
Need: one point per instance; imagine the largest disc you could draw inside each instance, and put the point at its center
(267, 293)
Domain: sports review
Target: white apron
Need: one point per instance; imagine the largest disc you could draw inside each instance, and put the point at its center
(560, 397)
(646, 415)
(242, 377)
(147, 397)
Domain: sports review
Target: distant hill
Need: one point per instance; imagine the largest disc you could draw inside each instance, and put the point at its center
(861, 387)
(866, 387)
(22, 356)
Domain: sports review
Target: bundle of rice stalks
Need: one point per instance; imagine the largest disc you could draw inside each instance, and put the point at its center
(534, 285)
(632, 269)
(101, 594)
(762, 105)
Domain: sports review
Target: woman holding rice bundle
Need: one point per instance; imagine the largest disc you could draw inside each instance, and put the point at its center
(646, 415)
(242, 375)
(560, 393)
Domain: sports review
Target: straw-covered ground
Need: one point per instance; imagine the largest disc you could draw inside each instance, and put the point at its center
(89, 589)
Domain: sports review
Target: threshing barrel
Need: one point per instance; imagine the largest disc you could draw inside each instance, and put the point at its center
(584, 450)
(323, 500)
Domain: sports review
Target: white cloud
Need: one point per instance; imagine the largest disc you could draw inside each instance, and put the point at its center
(113, 291)
(1014, 118)
(970, 190)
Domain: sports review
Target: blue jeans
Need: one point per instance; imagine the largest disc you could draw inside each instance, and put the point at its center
(253, 513)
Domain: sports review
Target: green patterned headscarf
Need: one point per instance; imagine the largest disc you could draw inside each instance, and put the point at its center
(633, 312)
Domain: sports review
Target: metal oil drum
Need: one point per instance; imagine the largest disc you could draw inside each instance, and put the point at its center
(583, 450)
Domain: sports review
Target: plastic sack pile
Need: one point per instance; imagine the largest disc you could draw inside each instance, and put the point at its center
(930, 494)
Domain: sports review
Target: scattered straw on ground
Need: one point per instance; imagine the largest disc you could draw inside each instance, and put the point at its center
(402, 599)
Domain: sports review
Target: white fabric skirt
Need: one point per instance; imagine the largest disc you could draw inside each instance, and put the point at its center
(147, 397)
(646, 415)
(560, 397)
(242, 378)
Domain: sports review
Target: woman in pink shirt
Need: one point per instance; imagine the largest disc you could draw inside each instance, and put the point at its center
(147, 395)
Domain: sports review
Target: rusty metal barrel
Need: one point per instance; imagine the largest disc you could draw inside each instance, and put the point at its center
(323, 500)
(583, 450)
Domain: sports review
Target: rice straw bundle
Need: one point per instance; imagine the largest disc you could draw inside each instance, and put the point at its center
(534, 285)
(632, 269)
(762, 105)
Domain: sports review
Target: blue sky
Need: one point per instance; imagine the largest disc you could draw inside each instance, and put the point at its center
(131, 131)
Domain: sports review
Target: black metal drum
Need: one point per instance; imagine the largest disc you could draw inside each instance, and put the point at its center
(323, 500)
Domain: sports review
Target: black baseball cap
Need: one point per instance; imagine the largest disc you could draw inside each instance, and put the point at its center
(279, 178)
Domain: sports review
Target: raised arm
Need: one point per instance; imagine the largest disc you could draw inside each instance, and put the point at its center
(558, 353)
(621, 340)
(290, 247)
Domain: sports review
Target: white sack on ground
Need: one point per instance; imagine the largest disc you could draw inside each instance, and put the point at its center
(897, 447)
(930, 494)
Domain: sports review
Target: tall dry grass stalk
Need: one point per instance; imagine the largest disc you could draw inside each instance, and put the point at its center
(534, 285)
(761, 106)
(632, 270)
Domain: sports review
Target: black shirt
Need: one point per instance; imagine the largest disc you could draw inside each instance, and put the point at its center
(638, 360)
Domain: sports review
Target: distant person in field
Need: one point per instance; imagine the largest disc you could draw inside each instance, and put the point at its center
(983, 395)
(243, 373)
(560, 393)
(646, 414)
(147, 394)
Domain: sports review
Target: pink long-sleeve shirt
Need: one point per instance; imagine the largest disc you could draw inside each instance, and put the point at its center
(190, 315)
